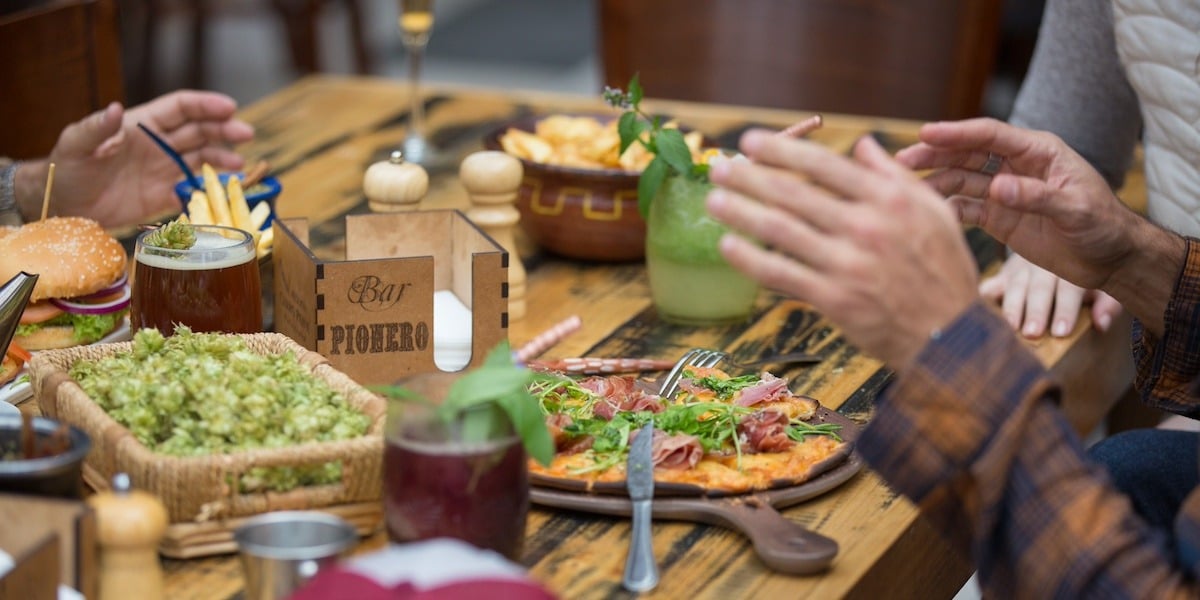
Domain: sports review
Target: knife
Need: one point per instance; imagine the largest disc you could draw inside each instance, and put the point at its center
(641, 570)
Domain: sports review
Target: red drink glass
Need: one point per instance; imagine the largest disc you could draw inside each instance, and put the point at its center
(437, 485)
(212, 286)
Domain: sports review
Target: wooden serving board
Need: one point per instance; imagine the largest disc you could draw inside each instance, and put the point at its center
(781, 544)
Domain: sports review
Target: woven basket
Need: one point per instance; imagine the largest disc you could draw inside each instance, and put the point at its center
(198, 489)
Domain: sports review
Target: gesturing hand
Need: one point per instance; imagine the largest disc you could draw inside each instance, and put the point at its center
(108, 170)
(1046, 202)
(864, 240)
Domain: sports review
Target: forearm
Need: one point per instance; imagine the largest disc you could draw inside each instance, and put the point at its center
(1167, 362)
(972, 434)
(1145, 279)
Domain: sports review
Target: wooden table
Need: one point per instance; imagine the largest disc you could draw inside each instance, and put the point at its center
(321, 134)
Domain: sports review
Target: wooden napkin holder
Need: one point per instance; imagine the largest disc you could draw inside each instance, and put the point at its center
(371, 314)
(52, 541)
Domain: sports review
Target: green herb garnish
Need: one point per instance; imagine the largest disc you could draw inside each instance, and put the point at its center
(175, 235)
(724, 388)
(487, 396)
(671, 153)
(797, 430)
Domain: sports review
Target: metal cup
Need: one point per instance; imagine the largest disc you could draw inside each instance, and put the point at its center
(281, 551)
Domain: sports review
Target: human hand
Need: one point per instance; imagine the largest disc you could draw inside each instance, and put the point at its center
(1045, 201)
(1029, 294)
(864, 240)
(108, 170)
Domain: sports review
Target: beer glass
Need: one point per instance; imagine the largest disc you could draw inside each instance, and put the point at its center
(211, 287)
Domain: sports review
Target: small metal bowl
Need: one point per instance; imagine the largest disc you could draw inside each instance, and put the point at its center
(59, 475)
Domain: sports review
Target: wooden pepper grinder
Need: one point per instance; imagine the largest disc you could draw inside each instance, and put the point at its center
(394, 185)
(129, 526)
(492, 179)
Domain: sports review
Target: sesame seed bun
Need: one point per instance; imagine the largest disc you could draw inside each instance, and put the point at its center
(48, 337)
(72, 256)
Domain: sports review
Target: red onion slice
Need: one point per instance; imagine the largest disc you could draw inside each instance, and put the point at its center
(83, 308)
(107, 291)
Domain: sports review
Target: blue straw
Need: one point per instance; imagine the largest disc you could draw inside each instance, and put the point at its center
(175, 156)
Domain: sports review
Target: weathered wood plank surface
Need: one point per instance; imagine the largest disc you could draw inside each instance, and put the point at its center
(322, 133)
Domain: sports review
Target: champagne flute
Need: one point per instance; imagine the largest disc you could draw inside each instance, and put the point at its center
(416, 22)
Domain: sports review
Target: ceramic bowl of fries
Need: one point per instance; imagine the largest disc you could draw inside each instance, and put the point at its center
(579, 195)
(224, 201)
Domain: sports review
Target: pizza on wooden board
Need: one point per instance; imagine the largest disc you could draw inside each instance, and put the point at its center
(718, 435)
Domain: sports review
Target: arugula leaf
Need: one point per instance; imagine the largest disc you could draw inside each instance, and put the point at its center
(725, 388)
(797, 430)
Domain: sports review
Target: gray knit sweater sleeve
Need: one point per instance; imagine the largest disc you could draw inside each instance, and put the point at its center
(1076, 87)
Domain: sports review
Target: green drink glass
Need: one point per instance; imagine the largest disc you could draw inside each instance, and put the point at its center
(689, 280)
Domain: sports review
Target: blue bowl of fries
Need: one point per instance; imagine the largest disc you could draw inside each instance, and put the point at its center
(265, 191)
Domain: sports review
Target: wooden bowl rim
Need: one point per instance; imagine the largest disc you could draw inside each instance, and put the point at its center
(526, 123)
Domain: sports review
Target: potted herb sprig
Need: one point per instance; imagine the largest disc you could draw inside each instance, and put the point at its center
(671, 153)
(690, 281)
(490, 402)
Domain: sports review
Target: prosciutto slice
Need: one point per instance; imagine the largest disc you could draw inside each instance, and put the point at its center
(678, 451)
(764, 431)
(564, 443)
(555, 423)
(610, 386)
(619, 394)
(767, 389)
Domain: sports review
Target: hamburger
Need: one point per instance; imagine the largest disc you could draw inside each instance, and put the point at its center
(81, 293)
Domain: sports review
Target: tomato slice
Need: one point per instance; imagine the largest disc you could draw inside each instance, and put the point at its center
(38, 312)
(18, 353)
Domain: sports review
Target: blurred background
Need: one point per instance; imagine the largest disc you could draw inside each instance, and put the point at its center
(908, 58)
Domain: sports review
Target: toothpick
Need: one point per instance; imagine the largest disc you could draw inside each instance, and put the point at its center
(803, 127)
(46, 198)
(548, 338)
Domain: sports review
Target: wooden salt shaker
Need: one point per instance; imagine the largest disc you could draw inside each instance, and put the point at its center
(394, 185)
(492, 179)
(129, 526)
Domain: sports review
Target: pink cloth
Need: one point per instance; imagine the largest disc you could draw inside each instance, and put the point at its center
(345, 584)
(439, 569)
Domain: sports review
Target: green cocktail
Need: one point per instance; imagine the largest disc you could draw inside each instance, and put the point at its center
(689, 280)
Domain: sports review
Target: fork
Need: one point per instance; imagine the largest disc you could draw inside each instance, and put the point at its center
(700, 357)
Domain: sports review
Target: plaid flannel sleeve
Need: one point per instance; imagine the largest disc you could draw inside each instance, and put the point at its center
(1168, 370)
(973, 435)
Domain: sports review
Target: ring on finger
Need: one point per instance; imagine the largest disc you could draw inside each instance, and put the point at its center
(992, 165)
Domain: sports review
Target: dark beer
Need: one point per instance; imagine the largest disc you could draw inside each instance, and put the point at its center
(212, 287)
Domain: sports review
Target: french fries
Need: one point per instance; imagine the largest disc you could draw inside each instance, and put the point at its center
(226, 205)
(583, 142)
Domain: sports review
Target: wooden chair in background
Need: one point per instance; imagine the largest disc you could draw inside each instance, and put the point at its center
(61, 62)
(300, 20)
(919, 59)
